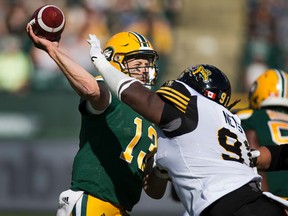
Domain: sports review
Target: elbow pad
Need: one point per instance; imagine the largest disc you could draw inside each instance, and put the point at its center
(279, 157)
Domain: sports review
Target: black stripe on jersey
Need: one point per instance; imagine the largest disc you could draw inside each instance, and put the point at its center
(179, 100)
(175, 123)
(74, 211)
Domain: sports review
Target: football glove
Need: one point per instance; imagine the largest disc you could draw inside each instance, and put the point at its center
(95, 51)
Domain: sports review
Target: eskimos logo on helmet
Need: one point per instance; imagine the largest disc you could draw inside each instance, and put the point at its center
(108, 53)
(204, 73)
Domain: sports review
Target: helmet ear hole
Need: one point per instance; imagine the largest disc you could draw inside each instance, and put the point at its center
(117, 57)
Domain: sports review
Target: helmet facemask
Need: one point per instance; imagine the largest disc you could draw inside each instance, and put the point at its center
(141, 66)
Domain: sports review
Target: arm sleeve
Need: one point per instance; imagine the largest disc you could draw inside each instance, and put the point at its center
(279, 157)
(180, 113)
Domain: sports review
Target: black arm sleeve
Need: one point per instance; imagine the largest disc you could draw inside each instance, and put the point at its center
(180, 113)
(279, 157)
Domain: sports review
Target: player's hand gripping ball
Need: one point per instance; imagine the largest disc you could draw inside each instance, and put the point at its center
(48, 22)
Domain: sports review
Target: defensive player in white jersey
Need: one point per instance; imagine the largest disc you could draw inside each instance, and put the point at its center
(202, 145)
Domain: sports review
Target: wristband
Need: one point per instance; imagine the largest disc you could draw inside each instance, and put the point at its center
(279, 157)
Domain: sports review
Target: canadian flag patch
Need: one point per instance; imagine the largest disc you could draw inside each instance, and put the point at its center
(210, 94)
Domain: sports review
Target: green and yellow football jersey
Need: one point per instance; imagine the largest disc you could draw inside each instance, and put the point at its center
(113, 148)
(271, 127)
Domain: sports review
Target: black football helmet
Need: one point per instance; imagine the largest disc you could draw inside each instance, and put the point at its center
(209, 81)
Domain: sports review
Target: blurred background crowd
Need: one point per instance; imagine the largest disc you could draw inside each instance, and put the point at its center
(23, 68)
(266, 38)
(30, 81)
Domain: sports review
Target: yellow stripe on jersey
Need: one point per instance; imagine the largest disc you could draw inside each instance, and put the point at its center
(175, 91)
(176, 103)
(178, 99)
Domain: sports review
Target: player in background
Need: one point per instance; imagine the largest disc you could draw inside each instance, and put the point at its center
(266, 122)
(116, 148)
(202, 145)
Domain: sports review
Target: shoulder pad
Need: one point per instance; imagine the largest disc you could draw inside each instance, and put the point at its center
(174, 88)
(176, 93)
(245, 114)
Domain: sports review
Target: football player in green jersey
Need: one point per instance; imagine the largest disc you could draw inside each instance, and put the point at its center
(117, 145)
(266, 122)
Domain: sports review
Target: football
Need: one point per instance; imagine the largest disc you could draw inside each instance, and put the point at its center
(48, 21)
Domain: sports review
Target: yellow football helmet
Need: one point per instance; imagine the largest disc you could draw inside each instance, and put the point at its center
(125, 45)
(270, 89)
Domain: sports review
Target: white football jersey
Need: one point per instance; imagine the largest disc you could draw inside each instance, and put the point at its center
(210, 159)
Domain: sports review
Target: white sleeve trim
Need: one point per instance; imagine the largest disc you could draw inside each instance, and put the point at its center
(92, 110)
(121, 87)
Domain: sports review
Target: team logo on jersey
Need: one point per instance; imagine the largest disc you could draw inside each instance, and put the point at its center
(203, 73)
(66, 200)
(108, 53)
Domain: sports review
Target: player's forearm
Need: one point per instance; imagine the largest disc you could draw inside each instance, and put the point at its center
(145, 102)
(155, 185)
(80, 80)
(279, 157)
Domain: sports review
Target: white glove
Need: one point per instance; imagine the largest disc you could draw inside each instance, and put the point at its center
(255, 153)
(112, 76)
(95, 50)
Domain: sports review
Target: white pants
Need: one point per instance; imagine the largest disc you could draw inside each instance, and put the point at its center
(67, 201)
